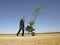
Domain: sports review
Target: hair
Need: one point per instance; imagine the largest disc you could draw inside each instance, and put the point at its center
(23, 16)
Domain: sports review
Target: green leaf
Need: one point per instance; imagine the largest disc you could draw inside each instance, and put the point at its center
(31, 23)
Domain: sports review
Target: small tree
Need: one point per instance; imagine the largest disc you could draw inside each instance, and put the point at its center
(30, 28)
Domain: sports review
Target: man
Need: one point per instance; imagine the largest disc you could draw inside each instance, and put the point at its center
(21, 26)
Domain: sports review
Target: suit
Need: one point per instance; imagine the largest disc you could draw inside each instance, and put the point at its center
(21, 27)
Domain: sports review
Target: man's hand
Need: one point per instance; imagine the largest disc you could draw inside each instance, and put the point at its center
(20, 27)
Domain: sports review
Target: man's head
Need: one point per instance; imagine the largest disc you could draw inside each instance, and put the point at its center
(23, 18)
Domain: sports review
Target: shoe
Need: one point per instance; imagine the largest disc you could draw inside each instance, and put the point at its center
(22, 35)
(16, 34)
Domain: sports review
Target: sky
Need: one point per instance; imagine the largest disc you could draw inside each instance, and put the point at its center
(11, 11)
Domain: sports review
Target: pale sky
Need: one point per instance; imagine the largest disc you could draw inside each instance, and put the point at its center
(11, 11)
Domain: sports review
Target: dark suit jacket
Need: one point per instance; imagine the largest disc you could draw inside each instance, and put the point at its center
(22, 23)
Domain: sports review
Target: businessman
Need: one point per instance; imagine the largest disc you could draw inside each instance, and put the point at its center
(21, 26)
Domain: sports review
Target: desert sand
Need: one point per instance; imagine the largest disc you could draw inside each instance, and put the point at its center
(38, 39)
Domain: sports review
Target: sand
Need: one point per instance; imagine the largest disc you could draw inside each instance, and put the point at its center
(38, 39)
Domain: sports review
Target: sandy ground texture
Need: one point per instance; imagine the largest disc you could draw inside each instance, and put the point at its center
(38, 39)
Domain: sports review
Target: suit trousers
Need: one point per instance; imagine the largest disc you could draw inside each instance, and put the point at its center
(22, 31)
